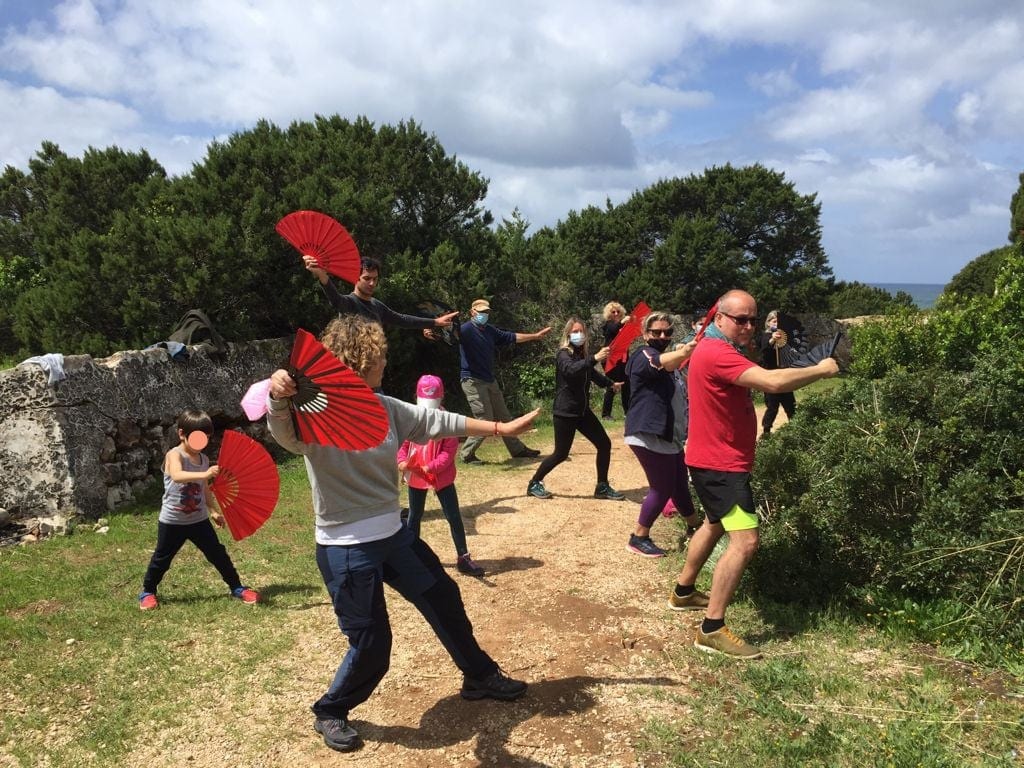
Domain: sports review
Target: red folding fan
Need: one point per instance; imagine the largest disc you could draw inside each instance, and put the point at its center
(333, 406)
(247, 486)
(618, 350)
(317, 234)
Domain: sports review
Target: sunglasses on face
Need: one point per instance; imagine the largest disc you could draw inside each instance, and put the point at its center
(663, 332)
(742, 319)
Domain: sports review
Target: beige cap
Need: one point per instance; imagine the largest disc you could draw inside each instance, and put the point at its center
(481, 305)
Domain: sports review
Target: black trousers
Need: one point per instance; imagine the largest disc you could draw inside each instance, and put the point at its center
(618, 373)
(566, 428)
(771, 408)
(171, 538)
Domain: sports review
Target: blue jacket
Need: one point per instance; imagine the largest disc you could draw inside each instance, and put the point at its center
(650, 395)
(476, 349)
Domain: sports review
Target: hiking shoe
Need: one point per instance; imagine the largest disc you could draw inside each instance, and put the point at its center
(725, 642)
(466, 565)
(537, 490)
(642, 545)
(472, 460)
(337, 733)
(495, 686)
(148, 601)
(694, 601)
(605, 491)
(527, 453)
(246, 595)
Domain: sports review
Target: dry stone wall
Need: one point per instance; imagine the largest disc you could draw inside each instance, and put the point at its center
(90, 442)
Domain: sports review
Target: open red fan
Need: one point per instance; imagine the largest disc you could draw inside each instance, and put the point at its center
(618, 350)
(333, 406)
(247, 486)
(317, 234)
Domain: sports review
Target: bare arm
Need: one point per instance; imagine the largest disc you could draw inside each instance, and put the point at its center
(786, 379)
(521, 337)
(173, 468)
(479, 428)
(670, 361)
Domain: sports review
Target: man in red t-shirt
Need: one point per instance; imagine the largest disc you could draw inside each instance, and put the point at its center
(720, 456)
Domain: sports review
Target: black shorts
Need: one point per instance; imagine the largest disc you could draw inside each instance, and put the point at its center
(721, 492)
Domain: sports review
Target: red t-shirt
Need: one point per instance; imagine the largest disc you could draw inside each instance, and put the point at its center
(723, 426)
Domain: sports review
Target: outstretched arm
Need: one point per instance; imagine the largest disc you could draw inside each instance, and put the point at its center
(786, 379)
(521, 337)
(479, 428)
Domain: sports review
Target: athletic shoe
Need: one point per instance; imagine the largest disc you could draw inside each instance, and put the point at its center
(148, 601)
(605, 491)
(725, 642)
(466, 565)
(472, 460)
(527, 453)
(642, 545)
(495, 686)
(337, 733)
(694, 601)
(246, 595)
(537, 490)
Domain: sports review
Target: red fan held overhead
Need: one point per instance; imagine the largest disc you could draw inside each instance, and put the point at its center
(247, 486)
(333, 406)
(618, 350)
(317, 234)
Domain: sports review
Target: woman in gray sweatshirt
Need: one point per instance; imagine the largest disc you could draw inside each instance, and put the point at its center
(362, 544)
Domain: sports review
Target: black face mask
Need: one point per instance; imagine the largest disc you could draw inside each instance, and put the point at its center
(660, 344)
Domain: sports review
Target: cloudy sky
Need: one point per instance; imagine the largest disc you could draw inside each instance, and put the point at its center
(906, 118)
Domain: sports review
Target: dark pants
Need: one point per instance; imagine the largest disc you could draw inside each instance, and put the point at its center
(566, 428)
(449, 499)
(771, 408)
(355, 576)
(171, 538)
(617, 373)
(668, 479)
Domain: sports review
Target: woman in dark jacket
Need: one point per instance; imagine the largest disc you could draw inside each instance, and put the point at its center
(574, 370)
(656, 428)
(614, 318)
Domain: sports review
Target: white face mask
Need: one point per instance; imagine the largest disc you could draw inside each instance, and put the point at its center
(480, 318)
(576, 338)
(429, 402)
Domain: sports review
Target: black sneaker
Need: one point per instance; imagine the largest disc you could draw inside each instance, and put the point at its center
(466, 565)
(472, 460)
(605, 491)
(527, 453)
(495, 686)
(537, 490)
(337, 733)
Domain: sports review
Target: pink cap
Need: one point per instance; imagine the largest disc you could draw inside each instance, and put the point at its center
(430, 387)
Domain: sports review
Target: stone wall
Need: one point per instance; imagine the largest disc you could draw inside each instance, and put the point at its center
(91, 442)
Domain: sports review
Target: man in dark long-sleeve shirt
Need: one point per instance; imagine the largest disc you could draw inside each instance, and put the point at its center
(361, 301)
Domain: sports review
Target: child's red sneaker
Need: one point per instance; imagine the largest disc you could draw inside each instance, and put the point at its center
(246, 595)
(148, 601)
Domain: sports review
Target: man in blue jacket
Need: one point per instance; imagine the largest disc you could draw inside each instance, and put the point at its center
(478, 343)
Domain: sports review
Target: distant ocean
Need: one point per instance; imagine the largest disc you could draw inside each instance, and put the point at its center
(923, 294)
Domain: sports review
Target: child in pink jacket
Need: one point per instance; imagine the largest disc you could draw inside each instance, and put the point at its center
(433, 466)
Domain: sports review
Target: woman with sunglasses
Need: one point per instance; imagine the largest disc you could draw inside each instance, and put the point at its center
(656, 428)
(614, 318)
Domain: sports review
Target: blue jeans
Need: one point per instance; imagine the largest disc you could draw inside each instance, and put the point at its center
(355, 576)
(449, 499)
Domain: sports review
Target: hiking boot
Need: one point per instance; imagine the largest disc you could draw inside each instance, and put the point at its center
(642, 545)
(246, 595)
(148, 601)
(466, 565)
(537, 490)
(337, 733)
(605, 491)
(472, 460)
(694, 601)
(495, 686)
(725, 642)
(527, 453)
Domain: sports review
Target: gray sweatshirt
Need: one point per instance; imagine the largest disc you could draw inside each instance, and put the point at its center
(351, 486)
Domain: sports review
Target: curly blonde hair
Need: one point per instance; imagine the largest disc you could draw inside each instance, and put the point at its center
(613, 305)
(357, 342)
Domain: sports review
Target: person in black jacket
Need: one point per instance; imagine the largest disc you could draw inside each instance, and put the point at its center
(574, 370)
(771, 340)
(614, 318)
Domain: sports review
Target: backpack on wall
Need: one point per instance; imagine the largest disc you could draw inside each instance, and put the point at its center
(196, 329)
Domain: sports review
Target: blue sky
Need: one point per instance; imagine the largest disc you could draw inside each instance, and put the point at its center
(905, 118)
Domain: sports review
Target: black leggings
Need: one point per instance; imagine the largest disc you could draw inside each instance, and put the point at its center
(566, 428)
(171, 538)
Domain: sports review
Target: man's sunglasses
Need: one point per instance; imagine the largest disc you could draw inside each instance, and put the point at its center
(666, 333)
(742, 319)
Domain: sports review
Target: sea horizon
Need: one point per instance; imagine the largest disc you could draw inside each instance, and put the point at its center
(923, 294)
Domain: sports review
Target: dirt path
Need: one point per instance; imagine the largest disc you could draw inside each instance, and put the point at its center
(564, 605)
